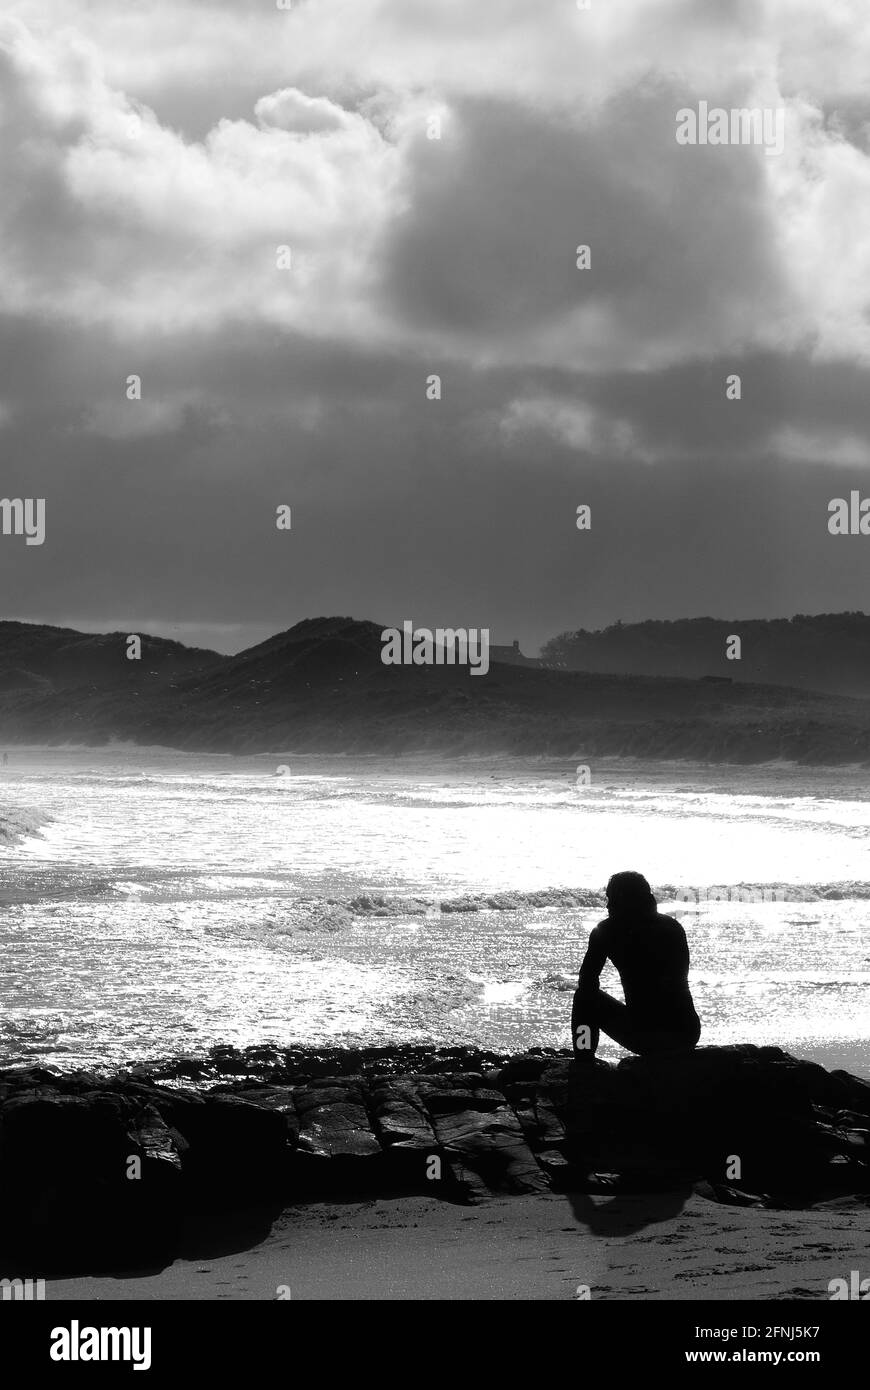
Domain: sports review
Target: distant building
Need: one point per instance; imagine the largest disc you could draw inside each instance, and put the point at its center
(512, 656)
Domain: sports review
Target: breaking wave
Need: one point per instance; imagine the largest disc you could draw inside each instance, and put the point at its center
(333, 913)
(761, 893)
(17, 824)
(384, 905)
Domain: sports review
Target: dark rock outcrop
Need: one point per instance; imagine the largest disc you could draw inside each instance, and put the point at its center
(118, 1171)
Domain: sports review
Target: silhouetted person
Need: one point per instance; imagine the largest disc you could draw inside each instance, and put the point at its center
(651, 954)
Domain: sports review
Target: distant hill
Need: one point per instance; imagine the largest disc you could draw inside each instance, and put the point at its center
(36, 654)
(322, 687)
(829, 652)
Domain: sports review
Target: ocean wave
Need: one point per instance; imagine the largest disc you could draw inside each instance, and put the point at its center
(515, 901)
(17, 823)
(333, 913)
(684, 895)
(381, 905)
(377, 905)
(385, 905)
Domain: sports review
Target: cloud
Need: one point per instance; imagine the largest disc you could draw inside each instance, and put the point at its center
(117, 220)
(836, 447)
(577, 425)
(292, 110)
(463, 245)
(485, 249)
(155, 157)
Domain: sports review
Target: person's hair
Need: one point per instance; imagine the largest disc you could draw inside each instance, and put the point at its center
(629, 895)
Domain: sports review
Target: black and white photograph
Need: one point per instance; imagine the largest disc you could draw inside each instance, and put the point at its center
(435, 668)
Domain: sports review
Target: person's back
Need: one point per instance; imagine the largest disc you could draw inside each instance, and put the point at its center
(651, 955)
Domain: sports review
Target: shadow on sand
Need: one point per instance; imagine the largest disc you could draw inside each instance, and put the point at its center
(624, 1213)
(203, 1236)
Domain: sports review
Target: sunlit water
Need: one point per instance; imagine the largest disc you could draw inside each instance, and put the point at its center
(171, 901)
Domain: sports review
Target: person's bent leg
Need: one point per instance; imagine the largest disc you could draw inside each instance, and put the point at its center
(601, 1013)
(594, 1013)
(650, 1042)
(584, 1029)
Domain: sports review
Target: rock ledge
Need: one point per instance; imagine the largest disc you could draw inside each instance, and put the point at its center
(125, 1169)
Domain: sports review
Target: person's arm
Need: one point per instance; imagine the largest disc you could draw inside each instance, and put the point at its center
(587, 984)
(593, 964)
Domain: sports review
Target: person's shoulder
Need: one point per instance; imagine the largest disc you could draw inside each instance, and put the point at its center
(669, 924)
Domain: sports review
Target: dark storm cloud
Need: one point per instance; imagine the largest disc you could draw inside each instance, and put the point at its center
(497, 207)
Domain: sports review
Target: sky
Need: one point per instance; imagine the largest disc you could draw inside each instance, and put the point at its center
(432, 166)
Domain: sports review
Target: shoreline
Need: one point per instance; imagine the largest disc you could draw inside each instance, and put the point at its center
(224, 1061)
(656, 1247)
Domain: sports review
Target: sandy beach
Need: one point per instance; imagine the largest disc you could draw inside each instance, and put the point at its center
(670, 1246)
